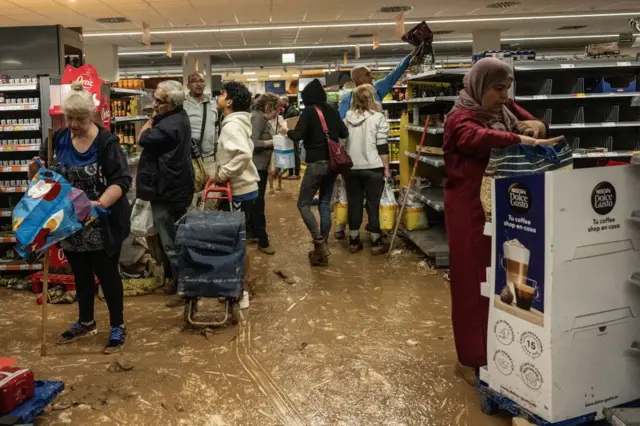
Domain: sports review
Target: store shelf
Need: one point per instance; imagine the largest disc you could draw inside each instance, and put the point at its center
(432, 242)
(577, 96)
(574, 126)
(431, 196)
(14, 169)
(431, 130)
(20, 267)
(439, 73)
(394, 102)
(400, 86)
(19, 127)
(13, 189)
(22, 87)
(574, 64)
(427, 159)
(127, 92)
(608, 154)
(394, 139)
(19, 148)
(6, 212)
(127, 119)
(432, 99)
(394, 162)
(7, 239)
(393, 120)
(30, 106)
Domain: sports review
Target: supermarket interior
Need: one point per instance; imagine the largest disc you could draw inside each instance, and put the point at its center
(179, 181)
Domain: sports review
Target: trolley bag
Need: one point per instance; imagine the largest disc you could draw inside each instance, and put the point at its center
(212, 254)
(16, 386)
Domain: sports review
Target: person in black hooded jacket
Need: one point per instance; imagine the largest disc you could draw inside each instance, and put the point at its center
(318, 176)
(165, 172)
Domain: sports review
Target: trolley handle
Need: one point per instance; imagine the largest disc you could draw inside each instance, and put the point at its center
(212, 192)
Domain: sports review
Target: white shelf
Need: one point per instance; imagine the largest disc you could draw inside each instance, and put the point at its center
(442, 72)
(432, 242)
(427, 159)
(393, 139)
(130, 118)
(430, 130)
(432, 99)
(393, 120)
(19, 127)
(19, 148)
(432, 197)
(400, 86)
(20, 267)
(575, 64)
(13, 189)
(607, 154)
(129, 92)
(574, 126)
(394, 162)
(30, 106)
(577, 96)
(13, 169)
(394, 102)
(23, 87)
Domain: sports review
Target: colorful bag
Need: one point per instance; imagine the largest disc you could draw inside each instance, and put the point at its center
(49, 212)
(339, 159)
(388, 206)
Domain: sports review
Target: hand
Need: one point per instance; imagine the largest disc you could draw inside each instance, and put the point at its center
(387, 172)
(283, 129)
(34, 167)
(96, 204)
(550, 142)
(146, 126)
(218, 179)
(531, 128)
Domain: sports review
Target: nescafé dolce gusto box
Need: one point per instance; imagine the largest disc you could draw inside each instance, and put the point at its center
(564, 310)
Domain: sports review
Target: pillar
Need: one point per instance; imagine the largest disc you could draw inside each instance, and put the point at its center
(486, 40)
(202, 63)
(104, 58)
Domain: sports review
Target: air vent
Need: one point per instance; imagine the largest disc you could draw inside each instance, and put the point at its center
(113, 20)
(395, 9)
(503, 4)
(443, 32)
(360, 36)
(155, 43)
(572, 27)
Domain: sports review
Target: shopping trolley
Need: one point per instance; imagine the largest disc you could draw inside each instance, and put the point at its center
(212, 258)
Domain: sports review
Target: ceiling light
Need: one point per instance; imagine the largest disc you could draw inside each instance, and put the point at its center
(252, 79)
(296, 75)
(249, 73)
(144, 76)
(367, 24)
(274, 75)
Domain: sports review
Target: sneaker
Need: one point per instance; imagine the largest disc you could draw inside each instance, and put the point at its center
(116, 340)
(77, 331)
(267, 250)
(340, 235)
(355, 244)
(379, 247)
(244, 300)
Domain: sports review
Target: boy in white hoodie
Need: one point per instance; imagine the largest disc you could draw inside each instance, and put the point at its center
(234, 148)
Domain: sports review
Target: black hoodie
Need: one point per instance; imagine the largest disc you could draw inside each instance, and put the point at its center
(309, 127)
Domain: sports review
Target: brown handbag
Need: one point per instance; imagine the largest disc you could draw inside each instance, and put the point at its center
(339, 159)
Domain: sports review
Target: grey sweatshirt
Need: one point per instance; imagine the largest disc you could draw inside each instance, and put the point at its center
(195, 111)
(261, 131)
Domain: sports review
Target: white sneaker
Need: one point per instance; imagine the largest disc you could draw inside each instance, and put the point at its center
(244, 300)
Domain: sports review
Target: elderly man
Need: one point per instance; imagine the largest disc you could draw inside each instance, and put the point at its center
(203, 116)
(165, 174)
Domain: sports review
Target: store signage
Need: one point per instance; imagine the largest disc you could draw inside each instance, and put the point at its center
(146, 34)
(603, 198)
(288, 58)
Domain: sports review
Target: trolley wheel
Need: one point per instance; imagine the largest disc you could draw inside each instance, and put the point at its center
(236, 316)
(488, 406)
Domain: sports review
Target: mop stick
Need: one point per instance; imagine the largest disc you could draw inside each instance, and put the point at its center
(45, 266)
(413, 174)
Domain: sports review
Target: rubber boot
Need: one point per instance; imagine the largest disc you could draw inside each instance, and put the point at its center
(320, 253)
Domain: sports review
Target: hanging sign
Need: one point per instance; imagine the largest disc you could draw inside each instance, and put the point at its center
(376, 41)
(169, 48)
(357, 51)
(146, 34)
(400, 25)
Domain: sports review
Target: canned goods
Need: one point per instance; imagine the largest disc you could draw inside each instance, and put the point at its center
(3, 121)
(37, 121)
(14, 121)
(20, 120)
(23, 80)
(33, 100)
(32, 121)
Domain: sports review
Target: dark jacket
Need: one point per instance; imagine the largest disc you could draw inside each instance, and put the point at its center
(113, 170)
(165, 172)
(290, 112)
(260, 132)
(309, 127)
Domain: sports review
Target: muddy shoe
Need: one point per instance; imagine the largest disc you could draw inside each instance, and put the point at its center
(267, 250)
(116, 340)
(77, 331)
(340, 235)
(316, 260)
(379, 247)
(355, 245)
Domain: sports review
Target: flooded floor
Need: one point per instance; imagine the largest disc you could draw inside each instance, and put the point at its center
(352, 344)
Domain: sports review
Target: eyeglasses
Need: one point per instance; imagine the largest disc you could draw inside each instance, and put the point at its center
(159, 101)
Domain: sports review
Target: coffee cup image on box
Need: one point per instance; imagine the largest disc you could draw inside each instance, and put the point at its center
(519, 290)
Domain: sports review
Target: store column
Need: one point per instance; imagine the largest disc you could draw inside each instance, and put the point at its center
(104, 58)
(486, 40)
(202, 63)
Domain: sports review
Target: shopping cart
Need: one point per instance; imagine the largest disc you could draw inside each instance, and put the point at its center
(212, 258)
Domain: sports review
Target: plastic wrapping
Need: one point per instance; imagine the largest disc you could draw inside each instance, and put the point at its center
(340, 204)
(142, 224)
(388, 206)
(415, 215)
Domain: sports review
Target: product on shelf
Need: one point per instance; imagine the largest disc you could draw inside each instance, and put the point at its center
(131, 84)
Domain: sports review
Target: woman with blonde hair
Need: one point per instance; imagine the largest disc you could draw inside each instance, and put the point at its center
(90, 158)
(369, 151)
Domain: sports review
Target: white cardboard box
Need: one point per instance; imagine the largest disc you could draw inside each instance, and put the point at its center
(562, 347)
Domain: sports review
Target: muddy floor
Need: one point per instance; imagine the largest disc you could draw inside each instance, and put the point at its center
(352, 344)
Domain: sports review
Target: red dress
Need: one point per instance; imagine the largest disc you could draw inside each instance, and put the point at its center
(467, 146)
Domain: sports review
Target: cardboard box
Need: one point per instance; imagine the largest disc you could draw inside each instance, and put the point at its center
(563, 311)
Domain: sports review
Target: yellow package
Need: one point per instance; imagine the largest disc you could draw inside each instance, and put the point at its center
(387, 217)
(415, 218)
(340, 214)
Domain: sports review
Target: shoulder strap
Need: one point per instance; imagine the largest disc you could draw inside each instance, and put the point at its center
(322, 120)
(204, 121)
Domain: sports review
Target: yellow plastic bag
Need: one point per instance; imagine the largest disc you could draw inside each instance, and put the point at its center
(340, 214)
(340, 205)
(415, 218)
(387, 207)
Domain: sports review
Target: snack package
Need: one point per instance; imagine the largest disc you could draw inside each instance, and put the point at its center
(415, 215)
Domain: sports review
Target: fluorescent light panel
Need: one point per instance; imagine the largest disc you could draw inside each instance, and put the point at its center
(365, 24)
(274, 75)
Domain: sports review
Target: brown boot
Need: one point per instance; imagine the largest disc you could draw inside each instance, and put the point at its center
(318, 256)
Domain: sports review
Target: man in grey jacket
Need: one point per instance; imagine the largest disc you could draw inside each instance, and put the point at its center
(200, 108)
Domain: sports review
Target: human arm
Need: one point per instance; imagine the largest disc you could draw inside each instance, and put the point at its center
(343, 132)
(258, 126)
(116, 171)
(528, 125)
(344, 105)
(384, 85)
(240, 153)
(382, 144)
(298, 133)
(157, 136)
(471, 136)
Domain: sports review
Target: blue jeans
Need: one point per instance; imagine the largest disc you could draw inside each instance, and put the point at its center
(318, 177)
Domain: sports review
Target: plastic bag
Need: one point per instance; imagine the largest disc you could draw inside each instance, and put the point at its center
(142, 219)
(49, 212)
(340, 204)
(415, 215)
(284, 152)
(387, 207)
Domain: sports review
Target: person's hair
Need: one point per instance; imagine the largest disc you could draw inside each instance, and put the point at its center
(358, 72)
(284, 101)
(267, 102)
(239, 95)
(193, 74)
(364, 99)
(78, 101)
(174, 92)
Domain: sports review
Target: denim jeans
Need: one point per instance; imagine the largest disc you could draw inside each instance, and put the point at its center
(257, 225)
(165, 216)
(318, 177)
(358, 183)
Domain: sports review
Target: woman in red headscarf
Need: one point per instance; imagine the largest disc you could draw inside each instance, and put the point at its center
(484, 117)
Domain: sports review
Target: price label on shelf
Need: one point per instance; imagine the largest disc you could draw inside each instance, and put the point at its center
(595, 154)
(577, 125)
(9, 148)
(7, 169)
(609, 124)
(567, 65)
(540, 96)
(624, 64)
(24, 267)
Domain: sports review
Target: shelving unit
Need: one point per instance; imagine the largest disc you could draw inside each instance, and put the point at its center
(24, 119)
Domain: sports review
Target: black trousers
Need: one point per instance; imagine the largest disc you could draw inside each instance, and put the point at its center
(296, 150)
(84, 265)
(358, 183)
(239, 206)
(257, 219)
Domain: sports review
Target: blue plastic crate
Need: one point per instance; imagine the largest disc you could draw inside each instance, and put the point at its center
(45, 392)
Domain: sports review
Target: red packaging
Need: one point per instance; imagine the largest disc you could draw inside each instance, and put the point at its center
(16, 386)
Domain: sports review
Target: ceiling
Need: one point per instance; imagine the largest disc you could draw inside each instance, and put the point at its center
(240, 24)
